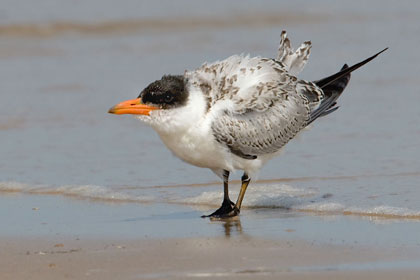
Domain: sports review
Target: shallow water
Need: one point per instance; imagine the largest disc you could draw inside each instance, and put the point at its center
(64, 66)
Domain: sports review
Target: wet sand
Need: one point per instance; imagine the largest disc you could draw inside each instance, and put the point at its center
(68, 238)
(204, 258)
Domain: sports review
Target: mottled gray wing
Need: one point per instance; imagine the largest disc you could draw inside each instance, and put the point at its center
(255, 133)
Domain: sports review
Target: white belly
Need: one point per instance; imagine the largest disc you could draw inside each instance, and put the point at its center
(197, 147)
(202, 150)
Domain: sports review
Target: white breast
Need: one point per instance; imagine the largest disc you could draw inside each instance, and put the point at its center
(186, 131)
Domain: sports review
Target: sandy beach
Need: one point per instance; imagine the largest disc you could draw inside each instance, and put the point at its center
(204, 258)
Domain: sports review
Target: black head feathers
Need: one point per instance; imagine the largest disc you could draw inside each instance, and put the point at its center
(165, 93)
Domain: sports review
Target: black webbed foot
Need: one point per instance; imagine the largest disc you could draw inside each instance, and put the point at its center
(227, 210)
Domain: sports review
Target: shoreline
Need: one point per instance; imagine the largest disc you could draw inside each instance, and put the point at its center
(53, 237)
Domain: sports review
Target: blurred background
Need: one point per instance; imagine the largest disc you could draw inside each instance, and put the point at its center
(63, 64)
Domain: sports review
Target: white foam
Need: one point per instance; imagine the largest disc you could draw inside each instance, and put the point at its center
(323, 207)
(13, 186)
(80, 191)
(384, 210)
(259, 196)
(98, 192)
(288, 197)
(279, 196)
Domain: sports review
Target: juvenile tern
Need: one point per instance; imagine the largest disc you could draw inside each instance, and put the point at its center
(238, 113)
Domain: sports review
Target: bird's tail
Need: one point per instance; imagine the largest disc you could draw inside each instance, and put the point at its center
(293, 61)
(333, 86)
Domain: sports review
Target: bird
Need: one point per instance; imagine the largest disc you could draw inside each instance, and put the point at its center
(237, 113)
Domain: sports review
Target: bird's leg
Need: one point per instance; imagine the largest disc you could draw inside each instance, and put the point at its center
(245, 181)
(227, 204)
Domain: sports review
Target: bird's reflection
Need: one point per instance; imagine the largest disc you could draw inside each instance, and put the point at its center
(232, 226)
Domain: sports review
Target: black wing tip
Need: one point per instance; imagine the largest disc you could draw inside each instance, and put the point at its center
(335, 84)
(345, 70)
(329, 111)
(382, 51)
(375, 55)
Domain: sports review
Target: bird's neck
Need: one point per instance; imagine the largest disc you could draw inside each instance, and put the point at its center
(179, 120)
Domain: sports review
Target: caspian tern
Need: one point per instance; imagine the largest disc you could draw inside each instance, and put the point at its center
(238, 113)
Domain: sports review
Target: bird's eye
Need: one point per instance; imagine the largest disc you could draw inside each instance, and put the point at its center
(168, 98)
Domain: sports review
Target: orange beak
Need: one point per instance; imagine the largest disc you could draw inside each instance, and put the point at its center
(134, 107)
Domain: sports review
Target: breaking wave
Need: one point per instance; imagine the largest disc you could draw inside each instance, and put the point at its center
(280, 196)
